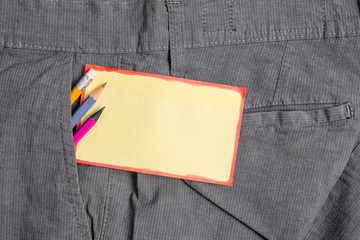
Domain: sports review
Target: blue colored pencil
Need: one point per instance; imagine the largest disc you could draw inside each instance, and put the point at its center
(86, 105)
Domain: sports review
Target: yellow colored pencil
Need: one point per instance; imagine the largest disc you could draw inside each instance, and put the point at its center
(82, 84)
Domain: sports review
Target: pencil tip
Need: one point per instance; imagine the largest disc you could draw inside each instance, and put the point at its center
(96, 115)
(104, 85)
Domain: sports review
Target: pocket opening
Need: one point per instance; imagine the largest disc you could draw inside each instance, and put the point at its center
(305, 116)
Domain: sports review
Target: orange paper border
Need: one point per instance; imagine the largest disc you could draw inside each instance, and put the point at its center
(240, 90)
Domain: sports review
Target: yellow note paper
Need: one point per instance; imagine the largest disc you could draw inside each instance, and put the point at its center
(165, 126)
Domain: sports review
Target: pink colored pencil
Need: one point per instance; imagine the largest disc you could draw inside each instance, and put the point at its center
(88, 124)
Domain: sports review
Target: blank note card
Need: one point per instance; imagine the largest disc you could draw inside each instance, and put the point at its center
(165, 126)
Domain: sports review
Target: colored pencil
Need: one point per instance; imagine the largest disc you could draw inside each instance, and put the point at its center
(86, 105)
(82, 84)
(88, 124)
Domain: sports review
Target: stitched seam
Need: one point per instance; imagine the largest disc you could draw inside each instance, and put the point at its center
(103, 3)
(232, 27)
(327, 122)
(172, 41)
(250, 40)
(323, 18)
(303, 124)
(62, 132)
(214, 3)
(294, 125)
(280, 71)
(204, 18)
(181, 44)
(5, 44)
(219, 43)
(106, 206)
(176, 49)
(258, 39)
(332, 101)
(265, 32)
(343, 106)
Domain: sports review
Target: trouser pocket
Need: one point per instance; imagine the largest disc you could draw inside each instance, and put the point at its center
(289, 158)
(39, 188)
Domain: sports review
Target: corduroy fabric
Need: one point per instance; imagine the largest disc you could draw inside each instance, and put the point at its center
(297, 171)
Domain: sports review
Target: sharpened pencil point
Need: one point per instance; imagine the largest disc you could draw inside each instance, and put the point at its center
(104, 85)
(96, 115)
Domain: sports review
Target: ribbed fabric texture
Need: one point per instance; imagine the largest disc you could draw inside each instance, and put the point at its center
(299, 117)
(297, 171)
(128, 26)
(39, 198)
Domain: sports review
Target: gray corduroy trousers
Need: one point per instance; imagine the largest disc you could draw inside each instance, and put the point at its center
(297, 174)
